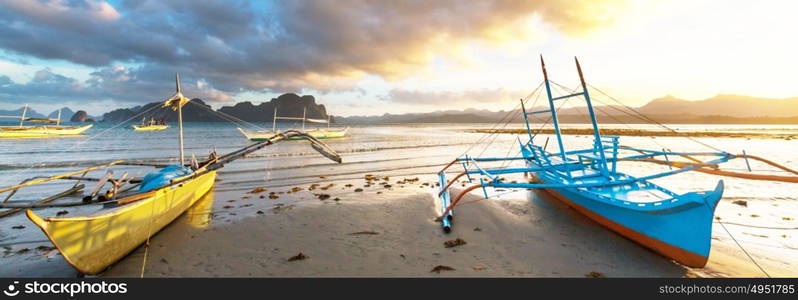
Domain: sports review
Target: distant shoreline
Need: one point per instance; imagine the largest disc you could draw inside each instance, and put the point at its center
(639, 132)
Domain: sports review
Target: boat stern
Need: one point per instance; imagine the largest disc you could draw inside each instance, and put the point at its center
(712, 198)
(36, 219)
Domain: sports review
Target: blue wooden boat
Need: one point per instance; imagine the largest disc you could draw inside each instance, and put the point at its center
(677, 226)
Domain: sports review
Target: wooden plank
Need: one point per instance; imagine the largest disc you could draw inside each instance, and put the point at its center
(136, 197)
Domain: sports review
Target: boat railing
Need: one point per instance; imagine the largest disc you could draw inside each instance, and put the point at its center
(610, 144)
(540, 156)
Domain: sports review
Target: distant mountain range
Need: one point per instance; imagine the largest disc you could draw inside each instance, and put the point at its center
(721, 109)
(18, 112)
(66, 114)
(288, 105)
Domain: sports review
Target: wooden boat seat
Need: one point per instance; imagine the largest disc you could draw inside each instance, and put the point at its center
(581, 174)
(595, 156)
(556, 160)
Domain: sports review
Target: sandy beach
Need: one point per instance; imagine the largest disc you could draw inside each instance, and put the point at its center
(366, 234)
(267, 209)
(392, 233)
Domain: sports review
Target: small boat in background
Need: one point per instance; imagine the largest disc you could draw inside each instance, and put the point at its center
(152, 125)
(319, 133)
(43, 131)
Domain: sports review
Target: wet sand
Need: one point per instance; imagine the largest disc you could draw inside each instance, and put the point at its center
(393, 234)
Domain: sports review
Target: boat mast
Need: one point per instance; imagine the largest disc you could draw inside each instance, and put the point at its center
(176, 102)
(304, 112)
(58, 121)
(24, 110)
(274, 118)
(526, 120)
(553, 111)
(180, 118)
(597, 144)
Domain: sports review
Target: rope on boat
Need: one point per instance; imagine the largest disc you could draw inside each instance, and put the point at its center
(600, 109)
(508, 118)
(512, 146)
(507, 163)
(147, 243)
(511, 114)
(757, 226)
(514, 116)
(647, 118)
(742, 248)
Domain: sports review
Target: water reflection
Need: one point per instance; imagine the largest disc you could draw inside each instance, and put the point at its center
(201, 213)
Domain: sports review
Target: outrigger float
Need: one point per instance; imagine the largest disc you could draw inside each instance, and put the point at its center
(133, 209)
(677, 226)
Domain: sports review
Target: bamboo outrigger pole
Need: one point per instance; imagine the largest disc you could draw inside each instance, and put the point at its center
(13, 210)
(61, 176)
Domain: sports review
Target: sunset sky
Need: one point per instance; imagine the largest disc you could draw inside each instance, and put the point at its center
(363, 57)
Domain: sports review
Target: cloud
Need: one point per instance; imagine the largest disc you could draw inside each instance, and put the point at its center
(43, 86)
(238, 46)
(434, 98)
(111, 83)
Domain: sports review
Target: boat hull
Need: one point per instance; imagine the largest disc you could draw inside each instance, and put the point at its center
(42, 132)
(316, 133)
(683, 235)
(92, 243)
(150, 127)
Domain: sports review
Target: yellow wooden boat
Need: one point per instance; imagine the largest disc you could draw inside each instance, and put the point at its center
(149, 127)
(92, 243)
(42, 131)
(129, 218)
(152, 125)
